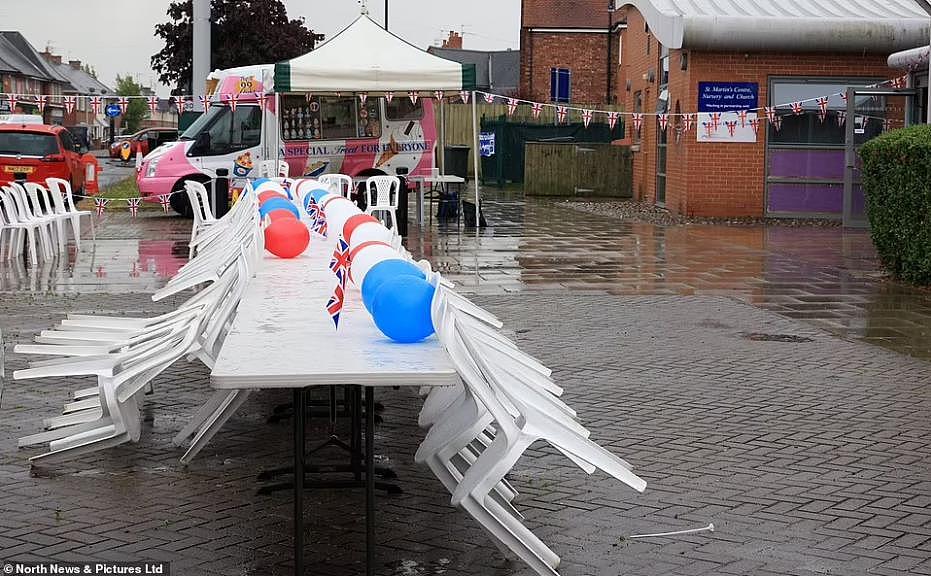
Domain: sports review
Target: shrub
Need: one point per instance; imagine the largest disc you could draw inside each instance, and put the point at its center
(897, 184)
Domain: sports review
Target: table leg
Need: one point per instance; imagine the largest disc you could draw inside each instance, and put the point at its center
(369, 481)
(300, 397)
(420, 187)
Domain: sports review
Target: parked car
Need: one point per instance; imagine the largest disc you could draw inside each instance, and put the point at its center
(40, 151)
(144, 141)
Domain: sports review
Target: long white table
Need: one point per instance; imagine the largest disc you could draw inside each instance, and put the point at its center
(283, 337)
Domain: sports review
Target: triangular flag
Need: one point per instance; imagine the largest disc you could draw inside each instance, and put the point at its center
(587, 117)
(100, 205)
(205, 102)
(512, 105)
(797, 108)
(362, 98)
(262, 99)
(389, 96)
(612, 119)
(561, 113)
(663, 121)
(95, 104)
(688, 121)
(841, 117)
(233, 101)
(41, 102)
(490, 98)
(153, 104)
(742, 116)
(731, 127)
(165, 201)
(438, 95)
(133, 206)
(637, 120)
(413, 97)
(464, 96)
(536, 107)
(180, 104)
(124, 104)
(70, 103)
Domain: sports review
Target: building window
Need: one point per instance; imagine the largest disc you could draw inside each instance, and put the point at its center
(663, 65)
(560, 84)
(638, 107)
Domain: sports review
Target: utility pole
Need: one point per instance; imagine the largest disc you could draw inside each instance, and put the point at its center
(201, 49)
(386, 14)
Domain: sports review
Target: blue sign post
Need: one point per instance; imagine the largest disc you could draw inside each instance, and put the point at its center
(112, 110)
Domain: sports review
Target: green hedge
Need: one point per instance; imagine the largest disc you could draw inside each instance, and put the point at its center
(897, 184)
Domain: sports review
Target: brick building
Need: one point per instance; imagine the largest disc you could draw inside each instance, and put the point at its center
(565, 51)
(676, 56)
(25, 74)
(90, 128)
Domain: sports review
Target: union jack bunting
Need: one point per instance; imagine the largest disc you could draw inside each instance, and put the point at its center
(843, 96)
(899, 82)
(100, 205)
(153, 103)
(512, 106)
(663, 121)
(887, 124)
(797, 108)
(133, 206)
(612, 119)
(637, 121)
(205, 102)
(823, 104)
(716, 120)
(389, 96)
(536, 108)
(181, 102)
(687, 122)
(14, 100)
(165, 201)
(490, 98)
(335, 305)
(362, 98)
(438, 95)
(742, 116)
(262, 98)
(464, 96)
(822, 114)
(41, 101)
(841, 117)
(770, 113)
(124, 104)
(232, 100)
(777, 123)
(339, 263)
(95, 104)
(317, 217)
(755, 124)
(709, 129)
(70, 103)
(561, 113)
(731, 127)
(413, 96)
(587, 117)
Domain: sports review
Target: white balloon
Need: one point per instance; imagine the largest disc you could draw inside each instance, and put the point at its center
(370, 232)
(337, 210)
(367, 257)
(270, 186)
(302, 186)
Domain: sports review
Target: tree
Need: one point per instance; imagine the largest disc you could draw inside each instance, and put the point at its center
(89, 70)
(243, 32)
(137, 111)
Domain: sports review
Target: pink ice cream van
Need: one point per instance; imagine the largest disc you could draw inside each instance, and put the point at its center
(247, 123)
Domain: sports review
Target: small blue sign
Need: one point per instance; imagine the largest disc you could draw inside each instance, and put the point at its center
(112, 110)
(486, 144)
(727, 96)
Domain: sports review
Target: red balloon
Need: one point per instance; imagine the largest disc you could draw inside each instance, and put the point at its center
(286, 237)
(269, 194)
(354, 222)
(281, 213)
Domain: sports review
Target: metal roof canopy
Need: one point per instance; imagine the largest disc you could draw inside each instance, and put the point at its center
(882, 26)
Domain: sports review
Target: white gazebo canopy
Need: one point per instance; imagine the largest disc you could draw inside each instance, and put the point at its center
(365, 57)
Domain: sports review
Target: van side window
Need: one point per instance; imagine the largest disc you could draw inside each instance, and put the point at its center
(234, 131)
(67, 142)
(401, 108)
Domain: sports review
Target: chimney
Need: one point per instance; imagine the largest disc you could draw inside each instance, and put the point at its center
(454, 41)
(49, 57)
(76, 64)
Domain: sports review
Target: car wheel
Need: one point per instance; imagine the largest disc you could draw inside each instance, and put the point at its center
(180, 203)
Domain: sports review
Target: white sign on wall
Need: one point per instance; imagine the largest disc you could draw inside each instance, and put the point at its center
(726, 112)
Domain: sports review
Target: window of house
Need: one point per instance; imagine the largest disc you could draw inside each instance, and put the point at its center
(560, 84)
(638, 107)
(663, 65)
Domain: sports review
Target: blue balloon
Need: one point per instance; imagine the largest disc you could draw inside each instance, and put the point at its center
(256, 183)
(402, 309)
(318, 194)
(278, 204)
(383, 271)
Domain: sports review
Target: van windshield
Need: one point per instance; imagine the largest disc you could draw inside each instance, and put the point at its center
(204, 120)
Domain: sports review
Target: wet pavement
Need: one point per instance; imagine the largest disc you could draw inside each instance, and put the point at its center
(829, 277)
(698, 353)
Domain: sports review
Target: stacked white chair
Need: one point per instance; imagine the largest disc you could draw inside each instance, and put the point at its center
(200, 206)
(64, 204)
(381, 197)
(337, 183)
(44, 206)
(126, 354)
(38, 229)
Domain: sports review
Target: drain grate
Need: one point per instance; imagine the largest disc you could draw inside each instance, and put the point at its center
(760, 337)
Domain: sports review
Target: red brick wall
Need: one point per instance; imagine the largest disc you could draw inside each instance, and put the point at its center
(584, 54)
(705, 179)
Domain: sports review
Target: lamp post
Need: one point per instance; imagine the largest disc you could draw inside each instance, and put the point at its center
(926, 6)
(386, 14)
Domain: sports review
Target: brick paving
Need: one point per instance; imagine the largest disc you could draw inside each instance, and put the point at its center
(810, 457)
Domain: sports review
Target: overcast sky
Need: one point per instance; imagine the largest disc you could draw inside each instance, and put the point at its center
(117, 36)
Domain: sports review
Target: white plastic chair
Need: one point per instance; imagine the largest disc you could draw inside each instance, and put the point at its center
(200, 205)
(44, 205)
(381, 197)
(64, 204)
(19, 216)
(337, 184)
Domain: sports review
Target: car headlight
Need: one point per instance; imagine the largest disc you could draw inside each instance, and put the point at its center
(153, 166)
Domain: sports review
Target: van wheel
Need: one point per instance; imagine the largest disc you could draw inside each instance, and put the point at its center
(180, 203)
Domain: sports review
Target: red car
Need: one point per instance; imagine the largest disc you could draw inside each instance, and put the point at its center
(143, 141)
(40, 151)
